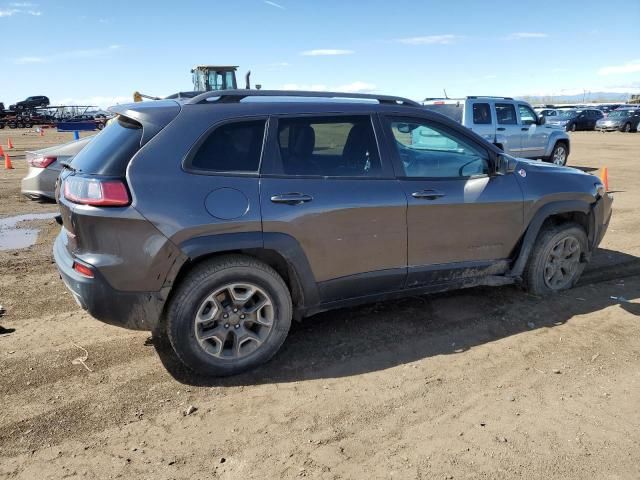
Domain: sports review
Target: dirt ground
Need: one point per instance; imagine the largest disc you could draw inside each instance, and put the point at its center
(486, 383)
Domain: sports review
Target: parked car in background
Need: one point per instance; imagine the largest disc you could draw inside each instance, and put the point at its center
(219, 220)
(546, 112)
(577, 119)
(510, 124)
(31, 102)
(45, 166)
(608, 108)
(622, 119)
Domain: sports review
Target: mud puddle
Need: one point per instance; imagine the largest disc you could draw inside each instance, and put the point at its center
(12, 237)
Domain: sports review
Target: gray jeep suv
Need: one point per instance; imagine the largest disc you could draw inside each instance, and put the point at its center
(220, 219)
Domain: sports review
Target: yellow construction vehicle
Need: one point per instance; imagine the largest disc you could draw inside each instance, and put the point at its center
(206, 78)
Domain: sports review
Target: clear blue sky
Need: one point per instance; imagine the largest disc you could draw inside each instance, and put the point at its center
(78, 50)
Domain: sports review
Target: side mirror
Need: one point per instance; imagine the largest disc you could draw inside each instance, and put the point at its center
(542, 120)
(505, 164)
(404, 128)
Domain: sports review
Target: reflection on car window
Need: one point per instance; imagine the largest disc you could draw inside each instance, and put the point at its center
(506, 114)
(429, 150)
(234, 147)
(341, 146)
(527, 117)
(481, 114)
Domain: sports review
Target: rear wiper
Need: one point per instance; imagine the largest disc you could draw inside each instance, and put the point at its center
(67, 165)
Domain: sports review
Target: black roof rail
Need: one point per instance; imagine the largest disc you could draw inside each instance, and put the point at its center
(490, 96)
(235, 96)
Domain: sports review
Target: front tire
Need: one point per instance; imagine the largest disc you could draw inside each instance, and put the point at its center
(572, 127)
(229, 315)
(556, 262)
(626, 128)
(559, 154)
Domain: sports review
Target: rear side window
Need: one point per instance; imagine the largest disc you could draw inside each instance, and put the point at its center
(328, 147)
(111, 150)
(232, 147)
(506, 114)
(481, 114)
(451, 110)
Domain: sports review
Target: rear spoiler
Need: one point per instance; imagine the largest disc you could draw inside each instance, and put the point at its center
(153, 116)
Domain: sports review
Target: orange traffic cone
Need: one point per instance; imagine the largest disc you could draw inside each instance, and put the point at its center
(604, 176)
(9, 143)
(1, 151)
(7, 162)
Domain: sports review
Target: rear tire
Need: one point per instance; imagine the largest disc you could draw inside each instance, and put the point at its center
(556, 260)
(211, 322)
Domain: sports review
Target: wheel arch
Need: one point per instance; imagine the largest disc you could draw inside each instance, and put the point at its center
(280, 251)
(554, 139)
(554, 213)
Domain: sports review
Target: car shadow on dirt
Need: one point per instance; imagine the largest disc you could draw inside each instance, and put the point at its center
(378, 336)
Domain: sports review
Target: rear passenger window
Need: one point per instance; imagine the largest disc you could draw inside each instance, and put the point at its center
(328, 146)
(233, 147)
(506, 114)
(481, 114)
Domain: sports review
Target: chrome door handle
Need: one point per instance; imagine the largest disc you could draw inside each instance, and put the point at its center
(291, 198)
(428, 194)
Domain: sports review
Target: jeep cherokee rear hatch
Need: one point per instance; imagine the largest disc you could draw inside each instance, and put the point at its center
(96, 176)
(102, 230)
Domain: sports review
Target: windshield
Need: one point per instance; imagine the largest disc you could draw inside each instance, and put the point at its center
(451, 110)
(620, 114)
(568, 113)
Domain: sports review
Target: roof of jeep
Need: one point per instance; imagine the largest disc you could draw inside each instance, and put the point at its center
(157, 113)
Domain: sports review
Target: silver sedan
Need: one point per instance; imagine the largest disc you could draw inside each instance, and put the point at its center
(45, 166)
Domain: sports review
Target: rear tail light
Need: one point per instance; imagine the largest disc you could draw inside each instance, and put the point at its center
(39, 161)
(96, 192)
(83, 270)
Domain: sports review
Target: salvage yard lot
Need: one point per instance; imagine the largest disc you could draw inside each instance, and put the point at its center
(482, 383)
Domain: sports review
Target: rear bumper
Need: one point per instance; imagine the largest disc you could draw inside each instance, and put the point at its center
(132, 310)
(40, 183)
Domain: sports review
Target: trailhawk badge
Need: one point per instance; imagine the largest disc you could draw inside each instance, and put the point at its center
(522, 172)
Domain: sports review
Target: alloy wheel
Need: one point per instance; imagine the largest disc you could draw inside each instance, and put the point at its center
(234, 320)
(562, 263)
(560, 155)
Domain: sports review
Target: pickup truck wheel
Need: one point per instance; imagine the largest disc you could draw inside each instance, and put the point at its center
(559, 154)
(229, 315)
(556, 261)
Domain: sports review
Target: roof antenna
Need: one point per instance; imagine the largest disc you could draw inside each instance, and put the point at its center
(445, 93)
